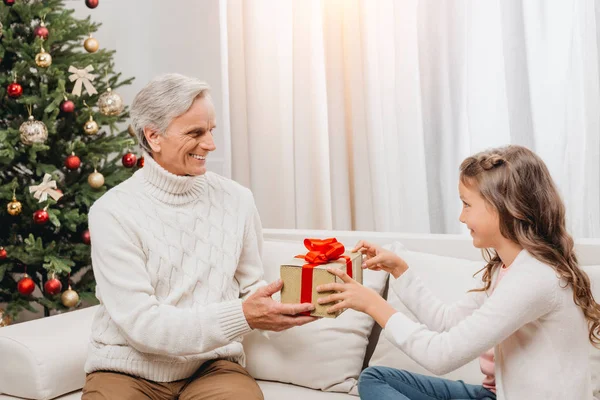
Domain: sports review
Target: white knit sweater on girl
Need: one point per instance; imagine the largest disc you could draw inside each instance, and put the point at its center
(173, 258)
(539, 335)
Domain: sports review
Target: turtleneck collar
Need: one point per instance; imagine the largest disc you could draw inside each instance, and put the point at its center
(170, 188)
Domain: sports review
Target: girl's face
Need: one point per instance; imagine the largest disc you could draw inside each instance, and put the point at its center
(480, 217)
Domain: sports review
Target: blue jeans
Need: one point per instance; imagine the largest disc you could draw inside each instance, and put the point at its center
(383, 383)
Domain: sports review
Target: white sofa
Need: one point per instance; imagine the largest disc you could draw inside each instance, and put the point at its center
(43, 359)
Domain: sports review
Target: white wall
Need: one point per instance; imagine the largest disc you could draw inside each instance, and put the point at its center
(153, 37)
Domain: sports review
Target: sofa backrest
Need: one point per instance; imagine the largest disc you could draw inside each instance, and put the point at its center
(459, 246)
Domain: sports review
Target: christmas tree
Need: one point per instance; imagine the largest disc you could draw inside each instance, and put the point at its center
(60, 150)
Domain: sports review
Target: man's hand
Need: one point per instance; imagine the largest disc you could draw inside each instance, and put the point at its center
(262, 312)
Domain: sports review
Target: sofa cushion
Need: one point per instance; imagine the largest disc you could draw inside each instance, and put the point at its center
(327, 354)
(450, 278)
(278, 391)
(31, 365)
(271, 391)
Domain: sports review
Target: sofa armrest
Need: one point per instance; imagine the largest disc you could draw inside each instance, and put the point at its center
(44, 358)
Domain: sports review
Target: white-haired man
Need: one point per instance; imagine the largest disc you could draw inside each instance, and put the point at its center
(176, 256)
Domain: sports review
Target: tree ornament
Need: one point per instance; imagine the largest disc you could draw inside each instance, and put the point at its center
(41, 31)
(92, 3)
(91, 45)
(26, 285)
(41, 217)
(14, 207)
(43, 59)
(45, 189)
(52, 286)
(140, 162)
(33, 131)
(67, 106)
(82, 77)
(91, 127)
(131, 131)
(129, 160)
(85, 237)
(3, 253)
(14, 90)
(5, 319)
(110, 103)
(96, 179)
(9, 2)
(1, 31)
(72, 162)
(69, 298)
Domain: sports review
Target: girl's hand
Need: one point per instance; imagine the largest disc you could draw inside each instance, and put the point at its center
(351, 294)
(380, 259)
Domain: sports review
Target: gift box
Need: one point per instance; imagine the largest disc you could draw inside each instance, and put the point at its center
(303, 273)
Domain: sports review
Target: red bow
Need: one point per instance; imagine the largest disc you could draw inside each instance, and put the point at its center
(321, 251)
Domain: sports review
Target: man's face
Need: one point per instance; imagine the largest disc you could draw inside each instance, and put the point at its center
(182, 150)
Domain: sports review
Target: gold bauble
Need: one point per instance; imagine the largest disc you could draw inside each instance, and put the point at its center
(91, 127)
(33, 131)
(69, 298)
(5, 319)
(15, 207)
(131, 131)
(91, 45)
(96, 179)
(110, 103)
(43, 59)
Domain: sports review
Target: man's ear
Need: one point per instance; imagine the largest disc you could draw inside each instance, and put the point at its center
(154, 139)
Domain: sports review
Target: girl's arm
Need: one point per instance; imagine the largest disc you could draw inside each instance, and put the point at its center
(428, 308)
(526, 293)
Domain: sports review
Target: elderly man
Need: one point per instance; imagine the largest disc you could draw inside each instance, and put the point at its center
(176, 253)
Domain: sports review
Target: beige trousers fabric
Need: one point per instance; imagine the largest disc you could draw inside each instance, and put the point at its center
(215, 380)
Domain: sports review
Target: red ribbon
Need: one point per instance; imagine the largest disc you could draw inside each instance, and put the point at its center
(320, 251)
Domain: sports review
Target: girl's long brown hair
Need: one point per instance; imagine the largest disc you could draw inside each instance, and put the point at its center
(517, 183)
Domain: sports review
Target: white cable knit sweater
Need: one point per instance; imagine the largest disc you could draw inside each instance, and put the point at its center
(173, 258)
(540, 335)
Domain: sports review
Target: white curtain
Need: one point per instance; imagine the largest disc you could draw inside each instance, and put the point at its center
(350, 114)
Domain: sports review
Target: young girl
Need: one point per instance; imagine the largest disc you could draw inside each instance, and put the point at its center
(530, 321)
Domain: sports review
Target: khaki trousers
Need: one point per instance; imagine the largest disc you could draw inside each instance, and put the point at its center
(215, 380)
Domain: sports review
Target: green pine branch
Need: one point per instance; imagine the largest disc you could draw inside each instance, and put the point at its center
(55, 247)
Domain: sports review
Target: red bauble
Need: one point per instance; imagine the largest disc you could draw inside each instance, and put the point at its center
(14, 90)
(85, 236)
(140, 162)
(72, 162)
(9, 2)
(3, 253)
(40, 217)
(41, 31)
(52, 286)
(67, 106)
(129, 160)
(26, 285)
(92, 3)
